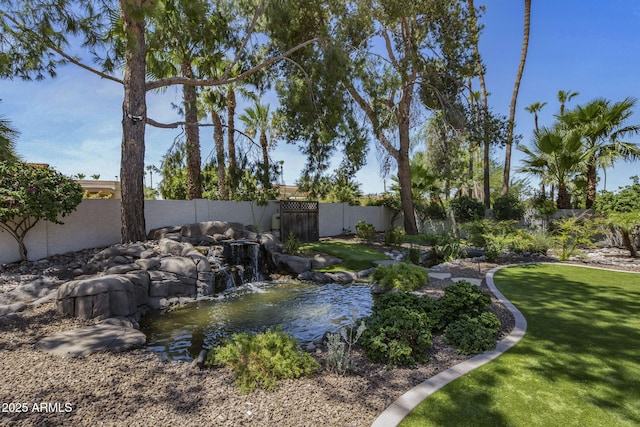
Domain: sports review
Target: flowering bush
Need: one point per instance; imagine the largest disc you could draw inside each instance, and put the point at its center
(29, 193)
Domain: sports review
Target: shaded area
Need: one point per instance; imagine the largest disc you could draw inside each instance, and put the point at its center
(577, 364)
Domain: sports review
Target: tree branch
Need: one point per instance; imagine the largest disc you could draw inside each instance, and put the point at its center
(219, 82)
(59, 51)
(245, 41)
(368, 111)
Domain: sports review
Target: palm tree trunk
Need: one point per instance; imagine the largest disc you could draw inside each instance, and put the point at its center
(514, 98)
(564, 201)
(592, 178)
(233, 168)
(485, 107)
(218, 138)
(266, 182)
(192, 131)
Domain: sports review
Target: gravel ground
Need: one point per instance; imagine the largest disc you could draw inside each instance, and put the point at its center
(137, 388)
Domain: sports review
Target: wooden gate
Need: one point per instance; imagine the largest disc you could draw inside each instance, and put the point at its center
(301, 218)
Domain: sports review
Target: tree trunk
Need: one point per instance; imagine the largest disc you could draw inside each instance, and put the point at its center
(627, 240)
(404, 165)
(592, 179)
(485, 108)
(264, 143)
(233, 168)
(514, 98)
(134, 112)
(218, 138)
(192, 131)
(564, 201)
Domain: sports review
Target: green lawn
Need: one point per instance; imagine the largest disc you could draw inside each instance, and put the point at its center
(578, 364)
(355, 256)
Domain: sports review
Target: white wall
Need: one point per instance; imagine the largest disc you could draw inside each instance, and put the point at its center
(96, 222)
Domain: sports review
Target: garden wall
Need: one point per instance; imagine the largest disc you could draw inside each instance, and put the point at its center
(96, 222)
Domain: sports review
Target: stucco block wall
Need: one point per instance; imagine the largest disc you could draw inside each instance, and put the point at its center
(96, 222)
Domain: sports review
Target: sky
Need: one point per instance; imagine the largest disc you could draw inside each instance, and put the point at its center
(73, 121)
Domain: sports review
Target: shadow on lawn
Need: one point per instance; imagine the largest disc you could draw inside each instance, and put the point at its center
(585, 323)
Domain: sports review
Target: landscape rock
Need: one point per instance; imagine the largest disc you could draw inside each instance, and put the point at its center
(92, 339)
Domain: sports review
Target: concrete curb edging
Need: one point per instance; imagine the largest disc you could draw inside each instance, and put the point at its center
(393, 415)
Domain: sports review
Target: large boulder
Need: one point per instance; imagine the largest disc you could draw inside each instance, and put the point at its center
(98, 297)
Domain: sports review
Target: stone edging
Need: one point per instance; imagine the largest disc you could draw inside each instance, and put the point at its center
(393, 415)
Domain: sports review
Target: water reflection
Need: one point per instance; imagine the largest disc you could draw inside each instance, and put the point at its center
(305, 311)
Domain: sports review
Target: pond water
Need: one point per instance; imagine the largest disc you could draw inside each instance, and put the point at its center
(305, 311)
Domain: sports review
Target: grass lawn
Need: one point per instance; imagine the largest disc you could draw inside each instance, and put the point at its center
(355, 256)
(577, 365)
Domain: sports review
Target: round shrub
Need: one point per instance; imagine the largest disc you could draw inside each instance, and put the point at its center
(435, 211)
(459, 299)
(262, 360)
(467, 208)
(508, 207)
(394, 236)
(403, 276)
(472, 335)
(365, 231)
(397, 336)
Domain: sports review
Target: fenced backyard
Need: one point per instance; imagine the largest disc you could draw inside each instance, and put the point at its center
(96, 223)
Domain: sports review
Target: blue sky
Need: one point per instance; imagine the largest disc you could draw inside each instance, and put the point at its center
(73, 123)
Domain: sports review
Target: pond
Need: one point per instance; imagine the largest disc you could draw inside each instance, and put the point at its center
(305, 311)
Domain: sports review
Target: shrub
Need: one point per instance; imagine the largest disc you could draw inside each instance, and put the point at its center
(413, 255)
(570, 234)
(435, 211)
(403, 276)
(448, 246)
(397, 336)
(399, 329)
(293, 244)
(508, 207)
(394, 236)
(29, 193)
(459, 299)
(339, 359)
(262, 360)
(467, 208)
(365, 231)
(473, 335)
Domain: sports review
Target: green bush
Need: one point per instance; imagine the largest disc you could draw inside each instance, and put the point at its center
(476, 230)
(293, 244)
(365, 231)
(508, 207)
(394, 236)
(413, 255)
(459, 299)
(403, 276)
(435, 211)
(472, 335)
(397, 336)
(262, 360)
(572, 233)
(467, 208)
(448, 246)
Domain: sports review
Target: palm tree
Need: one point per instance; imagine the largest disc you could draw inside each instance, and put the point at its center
(213, 101)
(535, 109)
(564, 97)
(514, 98)
(601, 125)
(556, 156)
(8, 138)
(257, 120)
